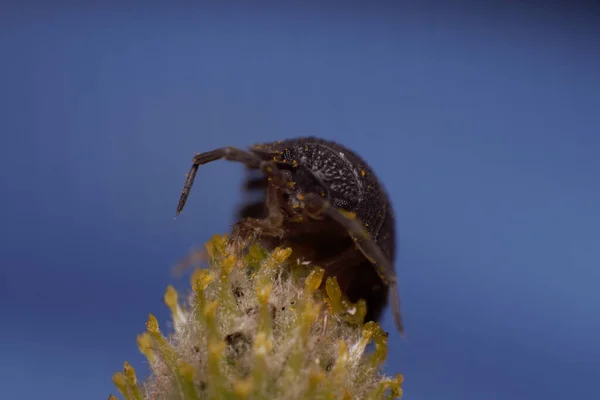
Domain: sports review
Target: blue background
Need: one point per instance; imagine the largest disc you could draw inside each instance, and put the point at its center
(482, 122)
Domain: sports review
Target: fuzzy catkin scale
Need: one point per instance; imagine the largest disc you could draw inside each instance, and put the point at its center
(255, 326)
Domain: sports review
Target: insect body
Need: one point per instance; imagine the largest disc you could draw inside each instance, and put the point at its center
(324, 201)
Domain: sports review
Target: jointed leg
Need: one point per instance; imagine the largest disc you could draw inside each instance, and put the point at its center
(255, 183)
(232, 154)
(318, 207)
(272, 224)
(274, 213)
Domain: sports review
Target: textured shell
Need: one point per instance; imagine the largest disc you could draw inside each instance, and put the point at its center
(351, 183)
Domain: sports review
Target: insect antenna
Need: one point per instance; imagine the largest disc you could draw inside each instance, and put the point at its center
(189, 181)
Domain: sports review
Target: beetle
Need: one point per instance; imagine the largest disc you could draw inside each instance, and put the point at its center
(325, 201)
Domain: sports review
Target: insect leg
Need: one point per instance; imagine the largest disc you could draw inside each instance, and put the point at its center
(232, 154)
(253, 219)
(272, 223)
(318, 207)
(274, 216)
(255, 183)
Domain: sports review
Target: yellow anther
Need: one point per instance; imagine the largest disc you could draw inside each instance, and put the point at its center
(335, 294)
(152, 324)
(129, 373)
(119, 380)
(281, 254)
(201, 278)
(227, 266)
(170, 298)
(145, 344)
(314, 279)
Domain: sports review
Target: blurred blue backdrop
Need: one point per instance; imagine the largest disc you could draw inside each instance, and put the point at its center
(483, 123)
